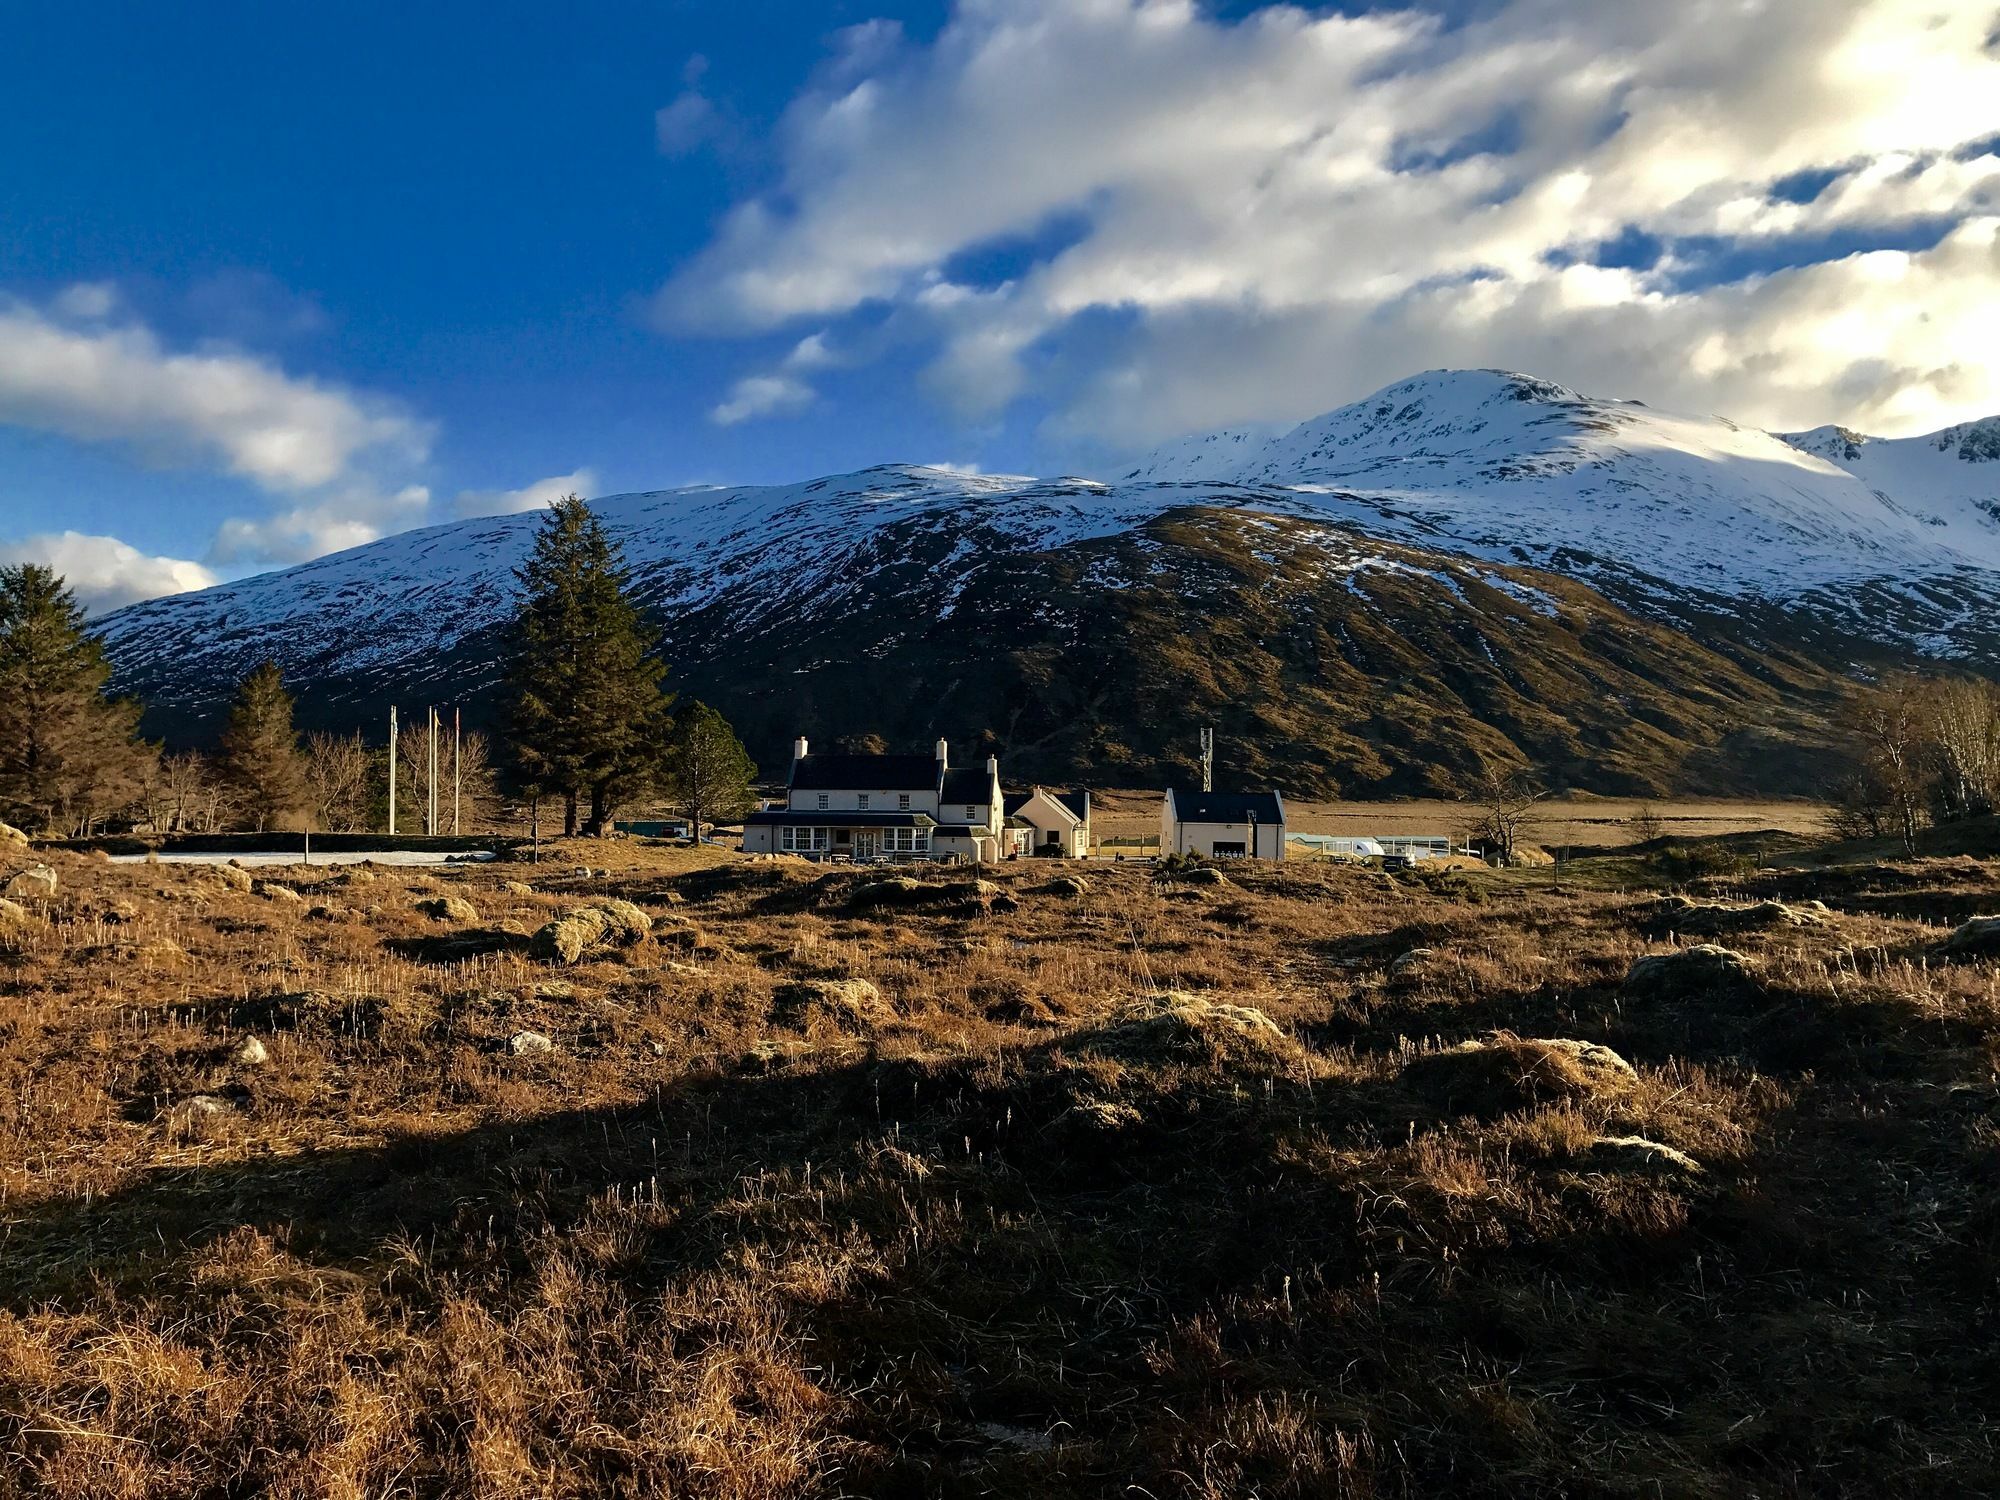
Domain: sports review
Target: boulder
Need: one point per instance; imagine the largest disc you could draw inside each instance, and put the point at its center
(848, 1002)
(1416, 958)
(1503, 1073)
(568, 938)
(1689, 971)
(896, 890)
(1068, 885)
(449, 909)
(233, 876)
(270, 890)
(9, 834)
(252, 1053)
(1634, 1153)
(1204, 875)
(12, 913)
(1178, 1024)
(529, 1044)
(623, 921)
(517, 888)
(1713, 918)
(36, 883)
(1976, 938)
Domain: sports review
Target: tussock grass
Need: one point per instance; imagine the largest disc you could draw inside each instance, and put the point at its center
(1029, 1191)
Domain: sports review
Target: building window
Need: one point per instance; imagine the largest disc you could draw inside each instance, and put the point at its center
(903, 801)
(822, 801)
(864, 801)
(906, 840)
(802, 840)
(971, 813)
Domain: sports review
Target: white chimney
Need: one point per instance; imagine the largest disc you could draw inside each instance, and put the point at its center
(943, 757)
(992, 765)
(799, 748)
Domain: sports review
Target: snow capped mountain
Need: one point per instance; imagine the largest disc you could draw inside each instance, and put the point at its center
(1950, 479)
(1823, 546)
(1511, 467)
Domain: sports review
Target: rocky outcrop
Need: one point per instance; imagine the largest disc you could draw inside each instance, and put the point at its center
(35, 883)
(449, 909)
(1689, 971)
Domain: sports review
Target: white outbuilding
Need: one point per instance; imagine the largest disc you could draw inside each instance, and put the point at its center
(1223, 825)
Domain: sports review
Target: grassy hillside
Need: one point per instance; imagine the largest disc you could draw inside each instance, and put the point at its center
(1302, 1183)
(1331, 665)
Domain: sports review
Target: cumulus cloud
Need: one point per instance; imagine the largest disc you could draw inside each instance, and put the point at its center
(331, 523)
(105, 572)
(1218, 219)
(337, 462)
(780, 391)
(537, 496)
(119, 384)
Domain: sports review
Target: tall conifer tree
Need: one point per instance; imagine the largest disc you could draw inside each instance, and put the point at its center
(261, 757)
(69, 752)
(588, 720)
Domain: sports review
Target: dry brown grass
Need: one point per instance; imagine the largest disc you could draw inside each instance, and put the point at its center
(1154, 1186)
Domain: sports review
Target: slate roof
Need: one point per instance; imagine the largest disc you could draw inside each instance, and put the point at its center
(1227, 807)
(966, 785)
(865, 773)
(1077, 802)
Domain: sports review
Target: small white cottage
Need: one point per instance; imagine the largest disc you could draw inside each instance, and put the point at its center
(1058, 822)
(1223, 825)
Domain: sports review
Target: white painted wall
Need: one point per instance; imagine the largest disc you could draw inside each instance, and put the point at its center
(1201, 838)
(1049, 815)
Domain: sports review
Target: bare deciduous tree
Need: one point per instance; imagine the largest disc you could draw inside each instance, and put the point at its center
(1503, 797)
(477, 781)
(1888, 727)
(339, 778)
(1964, 726)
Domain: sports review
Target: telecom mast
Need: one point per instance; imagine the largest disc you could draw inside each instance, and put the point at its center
(1208, 760)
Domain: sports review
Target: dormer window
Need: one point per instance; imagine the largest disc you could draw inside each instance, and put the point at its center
(903, 801)
(864, 801)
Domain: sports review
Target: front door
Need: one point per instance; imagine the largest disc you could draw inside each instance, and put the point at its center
(865, 842)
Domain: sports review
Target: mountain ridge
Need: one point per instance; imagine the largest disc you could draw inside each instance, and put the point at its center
(1776, 567)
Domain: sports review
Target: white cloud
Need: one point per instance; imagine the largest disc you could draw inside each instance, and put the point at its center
(339, 463)
(757, 396)
(537, 496)
(685, 125)
(88, 299)
(105, 572)
(1199, 202)
(119, 384)
(333, 522)
(779, 392)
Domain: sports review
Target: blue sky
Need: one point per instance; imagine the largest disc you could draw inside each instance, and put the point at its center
(279, 278)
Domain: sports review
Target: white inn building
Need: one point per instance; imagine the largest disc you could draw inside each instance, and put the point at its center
(868, 807)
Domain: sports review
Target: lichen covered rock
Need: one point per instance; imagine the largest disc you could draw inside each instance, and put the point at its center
(1689, 971)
